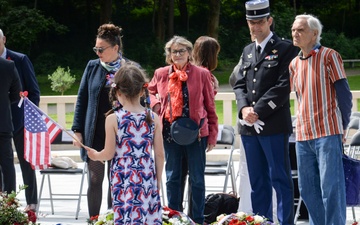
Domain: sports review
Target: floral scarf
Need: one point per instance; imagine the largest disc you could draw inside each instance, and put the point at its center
(112, 68)
(174, 109)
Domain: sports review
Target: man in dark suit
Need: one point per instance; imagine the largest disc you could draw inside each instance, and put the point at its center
(262, 92)
(30, 84)
(10, 88)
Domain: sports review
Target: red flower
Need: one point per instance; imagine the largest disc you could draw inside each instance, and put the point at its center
(249, 218)
(236, 222)
(171, 212)
(94, 218)
(31, 216)
(355, 223)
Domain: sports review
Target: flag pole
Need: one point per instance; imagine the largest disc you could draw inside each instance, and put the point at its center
(63, 129)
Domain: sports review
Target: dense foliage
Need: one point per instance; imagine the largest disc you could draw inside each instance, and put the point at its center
(62, 32)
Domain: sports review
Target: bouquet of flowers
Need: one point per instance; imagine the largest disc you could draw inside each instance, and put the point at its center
(106, 219)
(170, 217)
(9, 212)
(173, 217)
(241, 218)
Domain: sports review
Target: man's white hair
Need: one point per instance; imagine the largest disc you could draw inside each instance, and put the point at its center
(313, 23)
(1, 33)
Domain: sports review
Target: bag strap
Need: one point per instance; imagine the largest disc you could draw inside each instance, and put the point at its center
(169, 102)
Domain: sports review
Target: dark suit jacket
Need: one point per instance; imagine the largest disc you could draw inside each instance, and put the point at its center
(265, 85)
(10, 88)
(28, 82)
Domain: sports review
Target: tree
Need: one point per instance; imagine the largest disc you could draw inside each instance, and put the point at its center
(171, 18)
(61, 80)
(160, 26)
(23, 26)
(105, 11)
(184, 15)
(214, 16)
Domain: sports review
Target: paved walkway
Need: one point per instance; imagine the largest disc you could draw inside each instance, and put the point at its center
(64, 210)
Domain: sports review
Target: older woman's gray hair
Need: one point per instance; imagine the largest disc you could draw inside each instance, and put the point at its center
(180, 41)
(313, 23)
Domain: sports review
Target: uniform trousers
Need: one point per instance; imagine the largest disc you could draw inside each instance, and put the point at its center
(268, 164)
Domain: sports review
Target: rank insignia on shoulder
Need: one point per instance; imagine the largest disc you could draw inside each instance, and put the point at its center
(249, 56)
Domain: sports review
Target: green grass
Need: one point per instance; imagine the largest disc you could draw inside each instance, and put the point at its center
(68, 119)
(222, 75)
(354, 82)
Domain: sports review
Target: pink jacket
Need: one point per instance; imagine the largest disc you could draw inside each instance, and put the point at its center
(201, 97)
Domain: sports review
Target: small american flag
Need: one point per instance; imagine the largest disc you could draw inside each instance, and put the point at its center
(40, 131)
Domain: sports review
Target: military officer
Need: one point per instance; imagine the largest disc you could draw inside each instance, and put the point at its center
(262, 93)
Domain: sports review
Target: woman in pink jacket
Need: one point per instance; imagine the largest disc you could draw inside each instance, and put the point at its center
(182, 89)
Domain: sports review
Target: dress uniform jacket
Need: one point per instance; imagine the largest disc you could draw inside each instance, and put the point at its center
(264, 84)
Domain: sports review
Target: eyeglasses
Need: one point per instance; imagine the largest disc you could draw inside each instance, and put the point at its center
(100, 50)
(181, 52)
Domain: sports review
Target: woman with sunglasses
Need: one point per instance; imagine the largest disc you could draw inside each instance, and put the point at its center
(183, 89)
(92, 104)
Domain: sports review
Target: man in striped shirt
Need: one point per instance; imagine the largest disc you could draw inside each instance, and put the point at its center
(324, 99)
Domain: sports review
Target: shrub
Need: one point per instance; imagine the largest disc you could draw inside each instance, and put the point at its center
(61, 80)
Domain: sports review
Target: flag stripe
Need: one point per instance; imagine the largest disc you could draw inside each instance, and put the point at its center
(40, 131)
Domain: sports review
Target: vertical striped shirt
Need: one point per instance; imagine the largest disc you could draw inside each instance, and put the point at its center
(313, 78)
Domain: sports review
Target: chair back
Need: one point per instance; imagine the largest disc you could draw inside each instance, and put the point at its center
(355, 139)
(354, 123)
(355, 114)
(227, 135)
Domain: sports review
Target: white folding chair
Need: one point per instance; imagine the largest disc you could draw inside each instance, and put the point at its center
(52, 171)
(297, 201)
(224, 168)
(355, 114)
(353, 126)
(219, 168)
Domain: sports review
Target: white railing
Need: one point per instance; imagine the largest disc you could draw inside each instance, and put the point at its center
(61, 104)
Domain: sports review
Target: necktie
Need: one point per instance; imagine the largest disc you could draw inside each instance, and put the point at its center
(258, 52)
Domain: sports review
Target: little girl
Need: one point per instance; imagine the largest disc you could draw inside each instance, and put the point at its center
(131, 133)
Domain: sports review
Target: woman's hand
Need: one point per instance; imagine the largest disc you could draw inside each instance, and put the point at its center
(210, 147)
(79, 139)
(156, 108)
(91, 153)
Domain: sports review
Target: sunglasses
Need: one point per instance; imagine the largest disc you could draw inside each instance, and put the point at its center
(100, 50)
